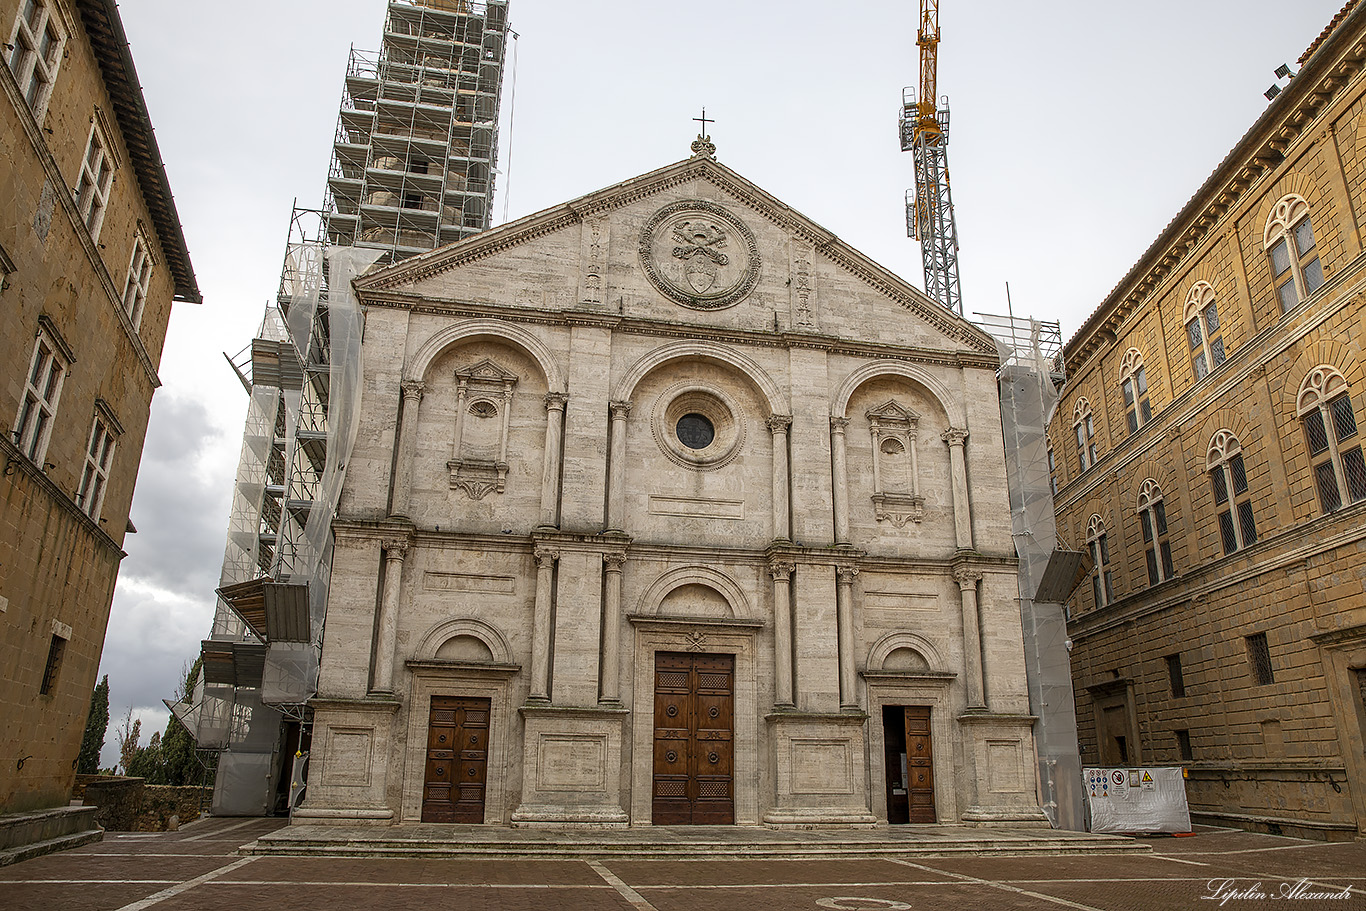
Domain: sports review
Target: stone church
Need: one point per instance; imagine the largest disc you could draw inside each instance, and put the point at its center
(669, 507)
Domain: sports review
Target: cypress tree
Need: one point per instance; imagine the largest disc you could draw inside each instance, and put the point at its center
(96, 724)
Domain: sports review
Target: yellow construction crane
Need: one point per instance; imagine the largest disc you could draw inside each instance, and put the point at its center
(929, 207)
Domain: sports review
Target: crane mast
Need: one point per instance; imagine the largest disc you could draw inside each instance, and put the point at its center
(929, 207)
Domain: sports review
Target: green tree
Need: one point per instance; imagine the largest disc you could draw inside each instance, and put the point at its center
(179, 762)
(96, 726)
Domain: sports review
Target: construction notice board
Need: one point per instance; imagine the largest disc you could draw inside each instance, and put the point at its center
(1137, 800)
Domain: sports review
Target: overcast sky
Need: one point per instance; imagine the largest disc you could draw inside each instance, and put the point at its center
(1079, 129)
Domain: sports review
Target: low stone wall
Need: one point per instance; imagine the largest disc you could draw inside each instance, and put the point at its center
(119, 800)
(132, 805)
(161, 802)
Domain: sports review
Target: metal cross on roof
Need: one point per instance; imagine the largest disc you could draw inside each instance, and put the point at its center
(703, 145)
(704, 120)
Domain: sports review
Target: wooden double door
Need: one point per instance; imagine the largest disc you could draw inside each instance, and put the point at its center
(694, 739)
(457, 760)
(909, 763)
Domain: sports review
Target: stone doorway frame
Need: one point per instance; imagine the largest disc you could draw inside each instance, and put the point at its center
(712, 636)
(450, 678)
(914, 688)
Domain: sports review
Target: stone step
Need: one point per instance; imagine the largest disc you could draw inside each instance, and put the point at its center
(642, 846)
(33, 834)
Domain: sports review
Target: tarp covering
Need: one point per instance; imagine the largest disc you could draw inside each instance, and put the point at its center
(1143, 800)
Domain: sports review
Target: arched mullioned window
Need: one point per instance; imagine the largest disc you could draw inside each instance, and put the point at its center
(1324, 406)
(1152, 515)
(1102, 577)
(1202, 330)
(1289, 240)
(1133, 380)
(1084, 425)
(1232, 501)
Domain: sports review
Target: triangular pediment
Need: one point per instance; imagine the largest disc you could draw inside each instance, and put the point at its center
(890, 412)
(487, 371)
(680, 182)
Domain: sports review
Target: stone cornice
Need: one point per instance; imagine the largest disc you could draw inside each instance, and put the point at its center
(1261, 155)
(401, 300)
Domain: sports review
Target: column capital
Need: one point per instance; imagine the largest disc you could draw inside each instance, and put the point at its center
(781, 570)
(613, 561)
(967, 577)
(414, 389)
(954, 436)
(846, 574)
(395, 548)
(555, 401)
(546, 556)
(779, 423)
(619, 409)
(837, 424)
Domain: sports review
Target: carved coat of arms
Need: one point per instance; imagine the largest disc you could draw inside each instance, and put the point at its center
(700, 255)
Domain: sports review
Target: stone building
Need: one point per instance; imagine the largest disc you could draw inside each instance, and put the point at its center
(667, 506)
(91, 258)
(1206, 449)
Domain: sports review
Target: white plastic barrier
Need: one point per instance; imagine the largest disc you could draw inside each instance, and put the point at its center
(1137, 800)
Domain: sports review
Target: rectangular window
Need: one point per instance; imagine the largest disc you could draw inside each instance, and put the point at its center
(1201, 368)
(98, 455)
(1246, 523)
(1259, 659)
(1327, 481)
(1316, 435)
(1153, 577)
(1239, 471)
(1183, 746)
(35, 53)
(1175, 677)
(41, 393)
(1354, 467)
(54, 663)
(1168, 568)
(1227, 533)
(1216, 350)
(1344, 421)
(92, 187)
(139, 277)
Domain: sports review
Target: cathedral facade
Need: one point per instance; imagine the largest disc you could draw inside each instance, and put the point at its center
(669, 507)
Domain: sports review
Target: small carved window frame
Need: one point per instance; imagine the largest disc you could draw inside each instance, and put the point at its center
(485, 383)
(895, 500)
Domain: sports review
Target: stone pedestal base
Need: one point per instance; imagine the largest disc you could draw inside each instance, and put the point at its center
(819, 770)
(572, 771)
(999, 754)
(349, 766)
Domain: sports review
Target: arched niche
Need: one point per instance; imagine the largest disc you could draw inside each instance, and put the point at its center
(905, 653)
(696, 586)
(496, 330)
(456, 640)
(756, 375)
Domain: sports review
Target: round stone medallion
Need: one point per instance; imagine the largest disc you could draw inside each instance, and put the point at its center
(700, 255)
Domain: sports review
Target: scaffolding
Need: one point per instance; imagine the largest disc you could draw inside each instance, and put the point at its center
(417, 134)
(1030, 375)
(412, 169)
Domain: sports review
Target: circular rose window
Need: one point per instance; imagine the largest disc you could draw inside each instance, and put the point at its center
(697, 427)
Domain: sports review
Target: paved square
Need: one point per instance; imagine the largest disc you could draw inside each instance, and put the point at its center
(199, 869)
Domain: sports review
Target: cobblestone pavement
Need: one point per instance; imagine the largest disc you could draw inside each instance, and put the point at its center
(198, 869)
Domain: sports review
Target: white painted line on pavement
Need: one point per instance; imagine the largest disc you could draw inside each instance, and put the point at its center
(1002, 886)
(173, 891)
(214, 833)
(631, 895)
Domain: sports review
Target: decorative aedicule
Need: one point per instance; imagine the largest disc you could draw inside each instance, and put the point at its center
(896, 469)
(483, 403)
(700, 255)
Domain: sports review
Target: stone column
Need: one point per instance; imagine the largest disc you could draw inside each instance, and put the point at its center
(541, 625)
(407, 445)
(550, 473)
(962, 507)
(839, 488)
(611, 628)
(972, 637)
(844, 608)
(616, 480)
(778, 425)
(781, 571)
(386, 642)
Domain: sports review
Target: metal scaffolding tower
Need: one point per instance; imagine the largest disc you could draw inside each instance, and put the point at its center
(1030, 376)
(929, 207)
(412, 169)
